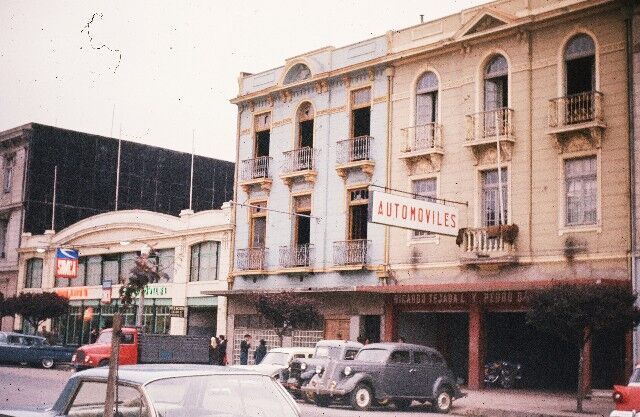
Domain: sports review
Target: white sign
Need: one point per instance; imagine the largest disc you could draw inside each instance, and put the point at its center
(410, 213)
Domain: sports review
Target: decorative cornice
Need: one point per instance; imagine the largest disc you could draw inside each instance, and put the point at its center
(331, 110)
(282, 122)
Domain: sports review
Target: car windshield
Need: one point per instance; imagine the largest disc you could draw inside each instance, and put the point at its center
(327, 352)
(635, 376)
(276, 358)
(104, 338)
(372, 355)
(219, 395)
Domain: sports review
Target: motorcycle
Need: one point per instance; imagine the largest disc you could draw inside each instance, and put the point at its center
(502, 373)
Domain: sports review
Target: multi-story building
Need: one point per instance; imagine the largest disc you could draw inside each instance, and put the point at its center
(633, 48)
(191, 253)
(149, 178)
(515, 112)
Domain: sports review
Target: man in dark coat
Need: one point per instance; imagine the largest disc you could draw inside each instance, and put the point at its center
(245, 345)
(261, 351)
(222, 353)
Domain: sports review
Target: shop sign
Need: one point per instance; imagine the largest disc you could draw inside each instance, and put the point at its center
(463, 298)
(176, 311)
(80, 293)
(154, 291)
(414, 214)
(106, 292)
(66, 263)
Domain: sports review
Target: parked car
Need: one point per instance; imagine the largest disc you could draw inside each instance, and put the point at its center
(172, 391)
(276, 362)
(138, 347)
(627, 398)
(395, 372)
(302, 370)
(32, 350)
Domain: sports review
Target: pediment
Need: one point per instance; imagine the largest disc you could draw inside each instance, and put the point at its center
(483, 21)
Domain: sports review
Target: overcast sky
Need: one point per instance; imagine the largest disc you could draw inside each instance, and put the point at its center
(169, 68)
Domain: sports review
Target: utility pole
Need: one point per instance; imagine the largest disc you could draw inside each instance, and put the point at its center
(111, 402)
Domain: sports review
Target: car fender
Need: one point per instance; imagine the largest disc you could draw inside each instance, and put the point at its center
(350, 384)
(448, 382)
(307, 375)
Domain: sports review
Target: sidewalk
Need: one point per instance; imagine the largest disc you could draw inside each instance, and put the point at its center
(519, 403)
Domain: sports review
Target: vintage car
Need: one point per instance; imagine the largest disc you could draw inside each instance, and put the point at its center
(380, 372)
(174, 390)
(32, 350)
(627, 398)
(276, 362)
(302, 370)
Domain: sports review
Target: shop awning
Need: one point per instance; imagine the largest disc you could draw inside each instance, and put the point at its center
(484, 286)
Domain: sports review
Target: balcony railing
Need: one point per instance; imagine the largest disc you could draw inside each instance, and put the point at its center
(576, 109)
(251, 259)
(422, 138)
(486, 125)
(302, 159)
(488, 241)
(353, 150)
(297, 256)
(256, 168)
(350, 252)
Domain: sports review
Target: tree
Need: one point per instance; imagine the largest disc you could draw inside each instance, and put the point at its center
(575, 313)
(37, 307)
(287, 311)
(143, 273)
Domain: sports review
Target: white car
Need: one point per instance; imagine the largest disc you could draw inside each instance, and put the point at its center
(278, 360)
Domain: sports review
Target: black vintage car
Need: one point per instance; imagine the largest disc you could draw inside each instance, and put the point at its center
(380, 372)
(32, 350)
(302, 370)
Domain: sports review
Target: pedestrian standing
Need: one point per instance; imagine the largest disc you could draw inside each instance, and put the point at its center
(214, 351)
(261, 351)
(245, 345)
(222, 354)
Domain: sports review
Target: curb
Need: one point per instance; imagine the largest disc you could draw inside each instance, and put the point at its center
(489, 412)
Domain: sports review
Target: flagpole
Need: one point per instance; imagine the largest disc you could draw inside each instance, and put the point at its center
(53, 208)
(118, 168)
(193, 150)
(500, 197)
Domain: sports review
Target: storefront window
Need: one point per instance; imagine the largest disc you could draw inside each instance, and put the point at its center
(110, 268)
(204, 261)
(82, 274)
(94, 270)
(163, 320)
(127, 263)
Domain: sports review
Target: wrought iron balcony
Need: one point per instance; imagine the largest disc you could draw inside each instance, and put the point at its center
(256, 171)
(251, 259)
(297, 256)
(423, 141)
(354, 153)
(489, 245)
(578, 112)
(488, 125)
(299, 163)
(351, 252)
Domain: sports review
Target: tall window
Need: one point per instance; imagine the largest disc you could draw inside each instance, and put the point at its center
(127, 263)
(361, 112)
(581, 191)
(427, 190)
(496, 94)
(34, 273)
(263, 134)
(258, 225)
(4, 223)
(580, 60)
(358, 213)
(491, 210)
(9, 162)
(305, 125)
(164, 259)
(94, 270)
(204, 261)
(426, 108)
(302, 232)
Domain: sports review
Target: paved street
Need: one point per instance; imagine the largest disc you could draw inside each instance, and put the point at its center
(34, 387)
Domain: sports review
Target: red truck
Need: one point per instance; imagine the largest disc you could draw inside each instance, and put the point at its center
(136, 347)
(627, 398)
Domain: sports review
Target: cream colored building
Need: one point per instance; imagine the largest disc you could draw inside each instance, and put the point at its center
(192, 255)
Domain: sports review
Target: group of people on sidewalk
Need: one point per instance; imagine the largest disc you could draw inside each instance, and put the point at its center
(218, 350)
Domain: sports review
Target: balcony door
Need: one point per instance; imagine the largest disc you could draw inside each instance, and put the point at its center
(580, 61)
(491, 210)
(302, 223)
(496, 94)
(426, 109)
(305, 125)
(358, 213)
(258, 227)
(262, 124)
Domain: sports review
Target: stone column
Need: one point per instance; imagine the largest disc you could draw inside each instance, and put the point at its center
(477, 345)
(389, 320)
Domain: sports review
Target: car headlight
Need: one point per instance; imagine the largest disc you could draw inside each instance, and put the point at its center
(347, 371)
(73, 358)
(303, 366)
(319, 369)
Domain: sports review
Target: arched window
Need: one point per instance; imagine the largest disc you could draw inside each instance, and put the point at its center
(305, 125)
(579, 60)
(427, 99)
(496, 95)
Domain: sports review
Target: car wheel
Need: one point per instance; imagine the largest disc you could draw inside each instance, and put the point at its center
(47, 363)
(104, 362)
(402, 404)
(322, 400)
(309, 397)
(361, 397)
(443, 401)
